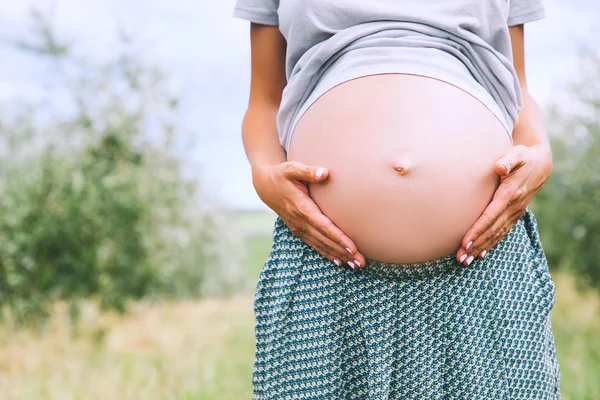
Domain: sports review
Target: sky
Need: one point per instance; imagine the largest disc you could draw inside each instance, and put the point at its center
(206, 54)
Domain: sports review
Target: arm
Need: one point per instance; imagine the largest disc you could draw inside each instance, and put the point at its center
(529, 130)
(280, 184)
(523, 170)
(267, 80)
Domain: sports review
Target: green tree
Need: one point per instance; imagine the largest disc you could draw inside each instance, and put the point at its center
(569, 205)
(95, 200)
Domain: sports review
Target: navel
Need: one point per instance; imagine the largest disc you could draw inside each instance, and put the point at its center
(402, 167)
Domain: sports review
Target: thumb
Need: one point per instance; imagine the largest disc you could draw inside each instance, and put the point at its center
(505, 165)
(308, 173)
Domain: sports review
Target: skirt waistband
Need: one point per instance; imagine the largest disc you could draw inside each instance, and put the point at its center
(417, 270)
(523, 234)
(296, 249)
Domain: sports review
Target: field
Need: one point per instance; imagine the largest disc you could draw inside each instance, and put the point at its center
(203, 349)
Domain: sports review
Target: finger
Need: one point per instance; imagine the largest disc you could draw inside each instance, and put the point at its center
(308, 173)
(461, 255)
(495, 234)
(506, 195)
(332, 247)
(328, 229)
(492, 236)
(311, 213)
(512, 161)
(488, 218)
(322, 249)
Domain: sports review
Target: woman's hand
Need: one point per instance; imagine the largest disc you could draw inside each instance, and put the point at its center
(281, 187)
(523, 172)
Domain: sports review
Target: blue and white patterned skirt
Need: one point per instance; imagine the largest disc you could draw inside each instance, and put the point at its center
(432, 330)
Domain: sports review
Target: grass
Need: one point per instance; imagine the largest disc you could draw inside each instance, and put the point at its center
(204, 350)
(257, 251)
(576, 326)
(251, 223)
(182, 350)
(192, 350)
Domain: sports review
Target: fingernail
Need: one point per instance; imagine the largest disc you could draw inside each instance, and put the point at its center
(469, 245)
(470, 260)
(351, 264)
(483, 253)
(337, 262)
(357, 263)
(505, 166)
(320, 172)
(349, 251)
(462, 258)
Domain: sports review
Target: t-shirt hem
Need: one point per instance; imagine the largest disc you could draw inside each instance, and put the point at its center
(527, 17)
(257, 16)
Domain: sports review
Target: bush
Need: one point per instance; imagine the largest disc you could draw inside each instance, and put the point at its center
(95, 200)
(569, 205)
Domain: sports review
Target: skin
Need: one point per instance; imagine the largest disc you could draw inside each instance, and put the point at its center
(281, 184)
(523, 170)
(389, 169)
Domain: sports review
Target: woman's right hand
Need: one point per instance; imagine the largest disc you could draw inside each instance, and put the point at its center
(282, 188)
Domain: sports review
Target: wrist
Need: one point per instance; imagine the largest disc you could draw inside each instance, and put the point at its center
(544, 152)
(544, 149)
(260, 173)
(263, 160)
(261, 167)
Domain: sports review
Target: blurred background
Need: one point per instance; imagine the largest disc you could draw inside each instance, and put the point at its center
(130, 234)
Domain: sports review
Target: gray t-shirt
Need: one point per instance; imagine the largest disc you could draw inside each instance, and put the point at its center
(464, 42)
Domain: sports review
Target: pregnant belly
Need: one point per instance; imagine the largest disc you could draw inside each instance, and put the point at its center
(410, 162)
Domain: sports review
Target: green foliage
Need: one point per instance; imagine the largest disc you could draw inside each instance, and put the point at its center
(568, 207)
(95, 203)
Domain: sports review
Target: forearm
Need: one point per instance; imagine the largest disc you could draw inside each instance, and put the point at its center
(260, 138)
(530, 130)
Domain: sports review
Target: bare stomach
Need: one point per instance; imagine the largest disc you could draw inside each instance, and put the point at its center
(410, 162)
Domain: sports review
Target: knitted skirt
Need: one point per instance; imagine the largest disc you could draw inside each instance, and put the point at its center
(431, 330)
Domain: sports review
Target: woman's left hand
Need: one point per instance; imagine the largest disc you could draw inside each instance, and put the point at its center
(523, 171)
